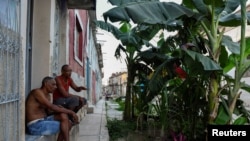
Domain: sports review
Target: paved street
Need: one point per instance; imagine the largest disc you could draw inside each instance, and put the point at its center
(112, 113)
(93, 125)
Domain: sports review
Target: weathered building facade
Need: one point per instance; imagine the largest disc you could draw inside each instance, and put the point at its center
(37, 37)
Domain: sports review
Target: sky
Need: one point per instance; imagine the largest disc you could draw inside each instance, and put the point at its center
(109, 43)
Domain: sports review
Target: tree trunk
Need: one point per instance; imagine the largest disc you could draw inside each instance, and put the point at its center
(127, 115)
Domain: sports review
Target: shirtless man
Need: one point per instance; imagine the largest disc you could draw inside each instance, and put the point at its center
(61, 95)
(39, 117)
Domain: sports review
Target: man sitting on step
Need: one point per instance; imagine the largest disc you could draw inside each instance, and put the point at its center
(61, 95)
(39, 117)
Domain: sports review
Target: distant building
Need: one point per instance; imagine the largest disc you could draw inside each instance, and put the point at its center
(117, 84)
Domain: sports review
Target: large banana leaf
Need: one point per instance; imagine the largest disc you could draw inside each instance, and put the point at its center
(109, 27)
(199, 5)
(230, 6)
(241, 121)
(221, 6)
(123, 2)
(225, 9)
(155, 12)
(161, 76)
(247, 51)
(233, 47)
(233, 19)
(206, 62)
(137, 36)
(150, 55)
(150, 12)
(223, 114)
(126, 37)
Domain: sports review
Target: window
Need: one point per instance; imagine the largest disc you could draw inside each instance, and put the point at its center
(78, 43)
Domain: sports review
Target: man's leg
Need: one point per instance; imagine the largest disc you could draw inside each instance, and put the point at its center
(65, 127)
(72, 102)
(45, 126)
(60, 102)
(82, 102)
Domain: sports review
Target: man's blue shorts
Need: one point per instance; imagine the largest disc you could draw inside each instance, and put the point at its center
(43, 126)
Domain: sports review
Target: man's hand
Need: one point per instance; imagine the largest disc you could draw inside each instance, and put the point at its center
(75, 118)
(60, 106)
(83, 88)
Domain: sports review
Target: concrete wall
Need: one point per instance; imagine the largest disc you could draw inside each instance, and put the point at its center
(95, 74)
(22, 79)
(76, 65)
(42, 40)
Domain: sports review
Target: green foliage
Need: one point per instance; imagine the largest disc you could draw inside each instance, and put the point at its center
(121, 103)
(207, 63)
(223, 116)
(132, 43)
(150, 12)
(241, 121)
(119, 128)
(198, 99)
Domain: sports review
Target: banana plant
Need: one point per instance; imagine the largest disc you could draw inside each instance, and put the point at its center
(145, 31)
(132, 40)
(216, 16)
(212, 16)
(164, 106)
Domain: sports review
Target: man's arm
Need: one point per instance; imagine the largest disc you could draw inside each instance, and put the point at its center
(75, 87)
(40, 97)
